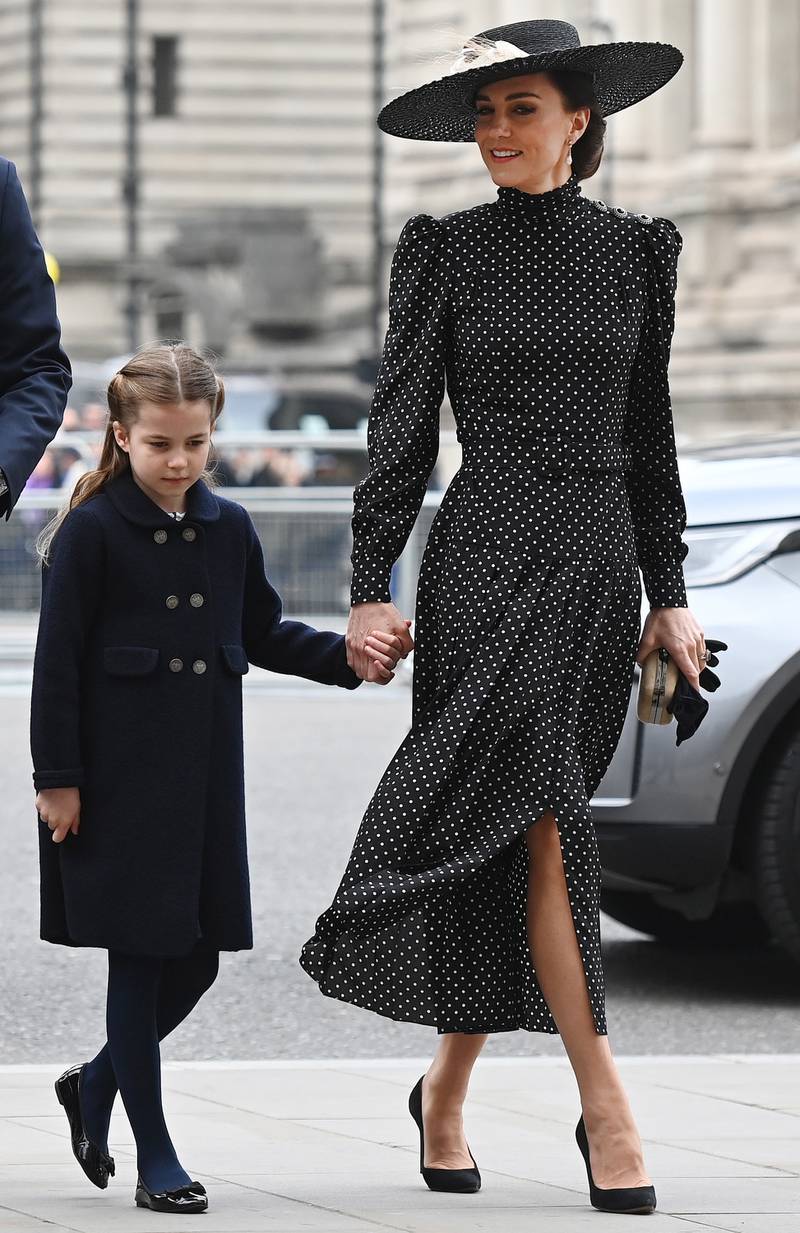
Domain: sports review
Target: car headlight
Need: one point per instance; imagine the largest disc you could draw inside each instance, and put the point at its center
(720, 554)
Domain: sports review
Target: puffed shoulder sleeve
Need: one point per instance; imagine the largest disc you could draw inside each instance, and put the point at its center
(403, 426)
(653, 482)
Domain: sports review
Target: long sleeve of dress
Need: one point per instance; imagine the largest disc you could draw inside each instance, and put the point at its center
(403, 426)
(653, 483)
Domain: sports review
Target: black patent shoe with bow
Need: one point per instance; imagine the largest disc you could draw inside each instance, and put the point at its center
(186, 1200)
(453, 1181)
(96, 1164)
(633, 1200)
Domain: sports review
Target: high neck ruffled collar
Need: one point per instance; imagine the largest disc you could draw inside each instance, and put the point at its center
(551, 207)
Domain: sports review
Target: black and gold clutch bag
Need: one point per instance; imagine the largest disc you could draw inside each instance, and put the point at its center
(665, 694)
(657, 685)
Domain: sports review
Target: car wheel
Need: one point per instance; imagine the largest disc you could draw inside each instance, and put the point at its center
(730, 924)
(777, 847)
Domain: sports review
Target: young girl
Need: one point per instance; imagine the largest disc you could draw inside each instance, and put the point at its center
(154, 599)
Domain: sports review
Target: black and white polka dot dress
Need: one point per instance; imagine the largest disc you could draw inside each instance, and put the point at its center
(551, 316)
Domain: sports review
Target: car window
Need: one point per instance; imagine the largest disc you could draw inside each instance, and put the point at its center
(336, 410)
(247, 410)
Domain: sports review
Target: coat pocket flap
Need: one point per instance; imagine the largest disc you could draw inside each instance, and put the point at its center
(236, 658)
(130, 660)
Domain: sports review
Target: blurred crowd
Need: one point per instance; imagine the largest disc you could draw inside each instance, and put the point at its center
(250, 466)
(309, 555)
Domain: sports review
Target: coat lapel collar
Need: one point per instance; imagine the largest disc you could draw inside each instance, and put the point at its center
(136, 506)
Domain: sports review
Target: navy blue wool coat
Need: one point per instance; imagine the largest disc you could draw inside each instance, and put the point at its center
(35, 374)
(147, 626)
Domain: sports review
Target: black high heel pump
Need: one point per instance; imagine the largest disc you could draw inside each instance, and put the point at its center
(454, 1181)
(635, 1200)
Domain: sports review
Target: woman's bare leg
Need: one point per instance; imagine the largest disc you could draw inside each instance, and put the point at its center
(443, 1092)
(615, 1146)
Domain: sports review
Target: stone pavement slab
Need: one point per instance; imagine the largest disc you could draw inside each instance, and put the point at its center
(329, 1147)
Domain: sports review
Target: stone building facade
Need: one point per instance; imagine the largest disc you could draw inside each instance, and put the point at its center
(717, 150)
(272, 113)
(261, 114)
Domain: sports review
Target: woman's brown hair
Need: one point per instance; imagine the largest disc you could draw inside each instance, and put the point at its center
(577, 90)
(160, 373)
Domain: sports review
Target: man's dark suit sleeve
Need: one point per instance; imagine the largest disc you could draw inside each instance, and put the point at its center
(35, 374)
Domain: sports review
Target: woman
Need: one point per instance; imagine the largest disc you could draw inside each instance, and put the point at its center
(471, 899)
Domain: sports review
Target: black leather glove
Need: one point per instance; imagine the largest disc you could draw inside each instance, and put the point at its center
(687, 705)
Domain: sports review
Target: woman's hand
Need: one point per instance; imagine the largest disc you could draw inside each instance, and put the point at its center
(678, 631)
(60, 808)
(376, 637)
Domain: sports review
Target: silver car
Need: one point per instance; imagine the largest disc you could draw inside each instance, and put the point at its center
(700, 844)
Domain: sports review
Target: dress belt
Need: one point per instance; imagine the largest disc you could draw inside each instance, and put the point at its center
(545, 453)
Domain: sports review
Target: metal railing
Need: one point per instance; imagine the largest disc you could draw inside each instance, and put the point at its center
(305, 531)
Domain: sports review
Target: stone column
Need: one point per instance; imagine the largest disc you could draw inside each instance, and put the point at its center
(775, 77)
(724, 73)
(671, 112)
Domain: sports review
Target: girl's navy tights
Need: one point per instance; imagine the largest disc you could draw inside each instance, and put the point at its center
(147, 997)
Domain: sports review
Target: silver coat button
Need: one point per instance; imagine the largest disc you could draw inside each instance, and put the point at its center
(176, 665)
(196, 600)
(189, 534)
(172, 601)
(199, 666)
(160, 536)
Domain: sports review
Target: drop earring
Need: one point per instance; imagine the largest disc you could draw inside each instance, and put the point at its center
(569, 154)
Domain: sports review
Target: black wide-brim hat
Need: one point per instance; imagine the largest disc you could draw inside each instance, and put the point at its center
(443, 110)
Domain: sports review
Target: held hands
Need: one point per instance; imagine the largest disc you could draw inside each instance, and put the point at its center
(60, 808)
(376, 637)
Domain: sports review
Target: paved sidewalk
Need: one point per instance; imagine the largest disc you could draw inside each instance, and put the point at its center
(328, 1147)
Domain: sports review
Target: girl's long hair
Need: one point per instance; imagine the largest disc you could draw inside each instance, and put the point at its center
(160, 373)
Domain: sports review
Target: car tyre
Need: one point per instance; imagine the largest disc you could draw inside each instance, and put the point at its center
(776, 862)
